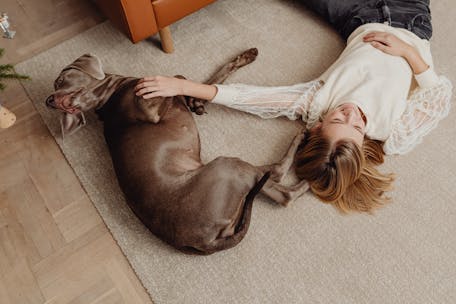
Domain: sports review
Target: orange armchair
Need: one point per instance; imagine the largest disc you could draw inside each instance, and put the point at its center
(139, 19)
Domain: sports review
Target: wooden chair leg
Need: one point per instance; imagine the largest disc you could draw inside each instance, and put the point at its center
(166, 39)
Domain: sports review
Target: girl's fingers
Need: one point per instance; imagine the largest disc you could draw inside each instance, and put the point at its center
(378, 39)
(370, 35)
(152, 95)
(143, 82)
(379, 34)
(149, 78)
(369, 38)
(376, 36)
(379, 46)
(147, 89)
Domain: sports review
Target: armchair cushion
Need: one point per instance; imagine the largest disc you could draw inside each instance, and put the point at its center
(139, 19)
(169, 11)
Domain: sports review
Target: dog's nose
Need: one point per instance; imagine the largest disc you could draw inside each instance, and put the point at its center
(50, 101)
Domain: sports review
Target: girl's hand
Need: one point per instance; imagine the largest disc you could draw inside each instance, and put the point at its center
(154, 86)
(388, 43)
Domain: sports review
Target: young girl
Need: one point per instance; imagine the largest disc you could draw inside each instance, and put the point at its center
(365, 105)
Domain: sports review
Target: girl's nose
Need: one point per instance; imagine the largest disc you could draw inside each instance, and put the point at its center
(348, 111)
(351, 114)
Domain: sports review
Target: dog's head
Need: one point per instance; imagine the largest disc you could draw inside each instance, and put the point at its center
(75, 91)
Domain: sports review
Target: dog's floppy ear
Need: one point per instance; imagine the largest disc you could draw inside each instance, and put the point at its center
(89, 64)
(70, 123)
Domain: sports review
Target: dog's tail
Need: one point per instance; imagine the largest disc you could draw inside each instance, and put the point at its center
(241, 227)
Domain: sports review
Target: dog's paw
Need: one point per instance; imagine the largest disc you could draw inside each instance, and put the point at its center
(297, 191)
(277, 174)
(196, 105)
(285, 203)
(246, 57)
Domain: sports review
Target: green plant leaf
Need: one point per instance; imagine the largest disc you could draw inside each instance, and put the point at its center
(7, 72)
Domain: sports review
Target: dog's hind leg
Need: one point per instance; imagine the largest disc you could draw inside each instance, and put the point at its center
(197, 105)
(241, 60)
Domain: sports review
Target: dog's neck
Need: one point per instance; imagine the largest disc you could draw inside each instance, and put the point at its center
(106, 87)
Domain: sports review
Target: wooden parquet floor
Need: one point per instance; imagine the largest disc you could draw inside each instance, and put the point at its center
(54, 246)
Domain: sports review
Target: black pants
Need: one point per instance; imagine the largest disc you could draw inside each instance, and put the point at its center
(346, 15)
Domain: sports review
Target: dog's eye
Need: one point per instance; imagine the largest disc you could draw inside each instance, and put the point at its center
(58, 82)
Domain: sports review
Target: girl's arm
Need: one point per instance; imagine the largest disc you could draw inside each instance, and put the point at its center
(428, 104)
(150, 87)
(425, 108)
(391, 44)
(267, 102)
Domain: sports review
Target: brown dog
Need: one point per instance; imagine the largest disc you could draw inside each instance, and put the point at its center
(155, 150)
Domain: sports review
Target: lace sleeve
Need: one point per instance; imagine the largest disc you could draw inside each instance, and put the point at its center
(425, 108)
(268, 102)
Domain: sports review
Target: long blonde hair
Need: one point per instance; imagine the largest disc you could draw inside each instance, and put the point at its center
(343, 174)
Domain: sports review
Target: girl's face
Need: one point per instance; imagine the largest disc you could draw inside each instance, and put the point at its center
(344, 122)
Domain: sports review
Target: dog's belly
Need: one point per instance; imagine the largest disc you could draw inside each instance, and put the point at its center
(153, 153)
(181, 201)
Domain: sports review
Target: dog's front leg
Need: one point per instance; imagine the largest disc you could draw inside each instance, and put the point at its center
(197, 105)
(284, 195)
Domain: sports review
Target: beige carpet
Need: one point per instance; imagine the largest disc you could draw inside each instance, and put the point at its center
(306, 253)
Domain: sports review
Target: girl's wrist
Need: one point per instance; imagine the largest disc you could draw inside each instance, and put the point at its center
(408, 52)
(184, 87)
(415, 61)
(198, 90)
